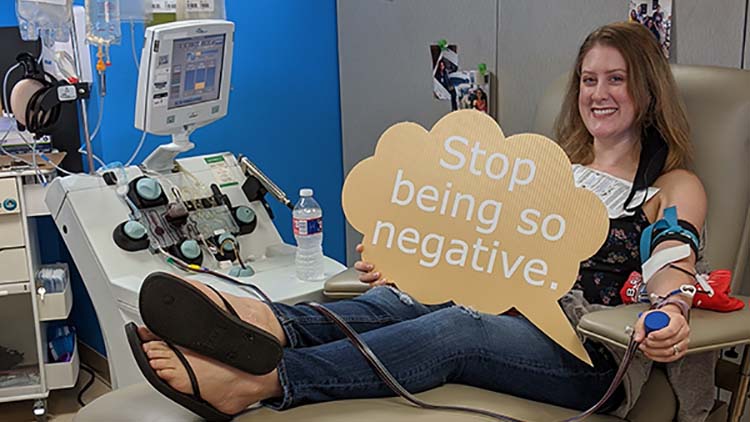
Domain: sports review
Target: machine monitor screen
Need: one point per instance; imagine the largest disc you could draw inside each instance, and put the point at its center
(196, 70)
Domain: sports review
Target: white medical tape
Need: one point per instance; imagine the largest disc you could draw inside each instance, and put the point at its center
(662, 258)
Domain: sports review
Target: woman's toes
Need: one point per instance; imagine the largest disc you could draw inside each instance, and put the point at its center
(166, 374)
(158, 353)
(154, 345)
(159, 364)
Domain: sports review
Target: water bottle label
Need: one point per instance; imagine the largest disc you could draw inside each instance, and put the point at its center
(307, 227)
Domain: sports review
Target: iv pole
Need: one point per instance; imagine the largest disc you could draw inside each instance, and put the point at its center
(83, 108)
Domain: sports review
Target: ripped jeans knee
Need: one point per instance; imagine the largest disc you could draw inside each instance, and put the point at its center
(468, 310)
(397, 303)
(403, 297)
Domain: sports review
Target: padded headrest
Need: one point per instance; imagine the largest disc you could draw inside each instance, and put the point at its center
(20, 96)
(718, 108)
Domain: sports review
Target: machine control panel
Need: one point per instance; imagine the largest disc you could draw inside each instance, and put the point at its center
(187, 223)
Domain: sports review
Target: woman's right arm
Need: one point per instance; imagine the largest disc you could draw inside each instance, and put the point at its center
(367, 272)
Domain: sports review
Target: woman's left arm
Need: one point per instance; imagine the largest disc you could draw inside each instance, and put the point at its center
(681, 189)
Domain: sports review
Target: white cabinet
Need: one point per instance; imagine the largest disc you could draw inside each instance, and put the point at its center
(25, 370)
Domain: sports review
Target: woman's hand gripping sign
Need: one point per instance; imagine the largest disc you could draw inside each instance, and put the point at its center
(462, 213)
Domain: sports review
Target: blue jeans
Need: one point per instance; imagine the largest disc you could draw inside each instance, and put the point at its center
(425, 346)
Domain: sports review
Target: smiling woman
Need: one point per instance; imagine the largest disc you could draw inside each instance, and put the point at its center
(621, 75)
(604, 102)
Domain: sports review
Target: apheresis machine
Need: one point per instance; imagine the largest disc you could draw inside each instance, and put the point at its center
(208, 210)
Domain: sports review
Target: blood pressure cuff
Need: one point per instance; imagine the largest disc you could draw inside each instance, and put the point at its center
(668, 228)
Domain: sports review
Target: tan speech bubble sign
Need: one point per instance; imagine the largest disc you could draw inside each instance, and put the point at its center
(462, 213)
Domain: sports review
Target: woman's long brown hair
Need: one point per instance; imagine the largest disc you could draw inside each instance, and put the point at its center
(650, 85)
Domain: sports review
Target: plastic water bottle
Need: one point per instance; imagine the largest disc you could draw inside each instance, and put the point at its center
(308, 230)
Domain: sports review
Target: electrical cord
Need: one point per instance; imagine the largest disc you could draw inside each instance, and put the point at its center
(86, 386)
(137, 150)
(44, 157)
(171, 259)
(132, 44)
(99, 118)
(40, 178)
(6, 96)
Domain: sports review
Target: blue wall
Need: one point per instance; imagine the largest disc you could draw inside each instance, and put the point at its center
(284, 114)
(283, 109)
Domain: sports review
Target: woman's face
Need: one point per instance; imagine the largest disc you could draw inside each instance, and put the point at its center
(604, 102)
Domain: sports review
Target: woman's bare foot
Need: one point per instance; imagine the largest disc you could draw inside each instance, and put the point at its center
(250, 310)
(228, 389)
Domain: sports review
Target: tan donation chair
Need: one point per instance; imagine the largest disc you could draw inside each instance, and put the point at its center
(718, 103)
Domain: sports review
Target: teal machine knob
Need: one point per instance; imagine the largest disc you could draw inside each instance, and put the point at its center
(237, 271)
(245, 215)
(10, 204)
(148, 188)
(134, 230)
(228, 247)
(190, 249)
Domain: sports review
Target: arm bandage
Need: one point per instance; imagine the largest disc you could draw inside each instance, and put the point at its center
(663, 258)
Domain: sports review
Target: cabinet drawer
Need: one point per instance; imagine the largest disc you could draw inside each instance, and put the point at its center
(13, 265)
(9, 203)
(55, 306)
(63, 374)
(11, 231)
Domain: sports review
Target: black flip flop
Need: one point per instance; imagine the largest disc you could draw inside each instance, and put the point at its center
(193, 402)
(181, 314)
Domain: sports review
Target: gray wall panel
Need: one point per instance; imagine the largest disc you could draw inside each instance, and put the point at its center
(709, 32)
(385, 68)
(537, 42)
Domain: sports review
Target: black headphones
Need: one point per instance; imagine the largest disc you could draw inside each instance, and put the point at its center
(38, 97)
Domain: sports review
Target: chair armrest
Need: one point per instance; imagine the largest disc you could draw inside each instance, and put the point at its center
(344, 285)
(709, 330)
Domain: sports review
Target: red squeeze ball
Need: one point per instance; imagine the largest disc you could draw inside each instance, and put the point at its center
(720, 281)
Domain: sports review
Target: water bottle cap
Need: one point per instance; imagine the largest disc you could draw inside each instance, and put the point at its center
(306, 192)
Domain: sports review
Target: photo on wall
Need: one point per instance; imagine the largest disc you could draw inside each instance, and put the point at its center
(444, 62)
(656, 15)
(472, 89)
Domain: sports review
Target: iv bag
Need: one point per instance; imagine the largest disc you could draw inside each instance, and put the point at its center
(135, 10)
(103, 22)
(50, 19)
(200, 9)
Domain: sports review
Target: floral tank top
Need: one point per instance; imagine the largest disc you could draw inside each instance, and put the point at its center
(602, 276)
